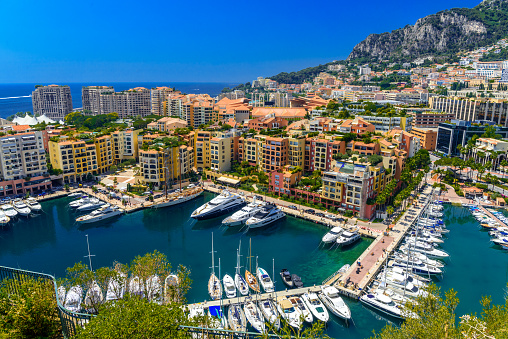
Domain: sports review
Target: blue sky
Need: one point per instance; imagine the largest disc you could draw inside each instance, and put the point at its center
(202, 41)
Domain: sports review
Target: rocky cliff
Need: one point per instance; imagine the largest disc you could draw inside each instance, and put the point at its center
(443, 33)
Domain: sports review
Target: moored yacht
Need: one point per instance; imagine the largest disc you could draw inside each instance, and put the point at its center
(289, 312)
(33, 204)
(73, 299)
(4, 219)
(175, 200)
(316, 306)
(9, 210)
(330, 297)
(264, 280)
(265, 216)
(21, 208)
(332, 235)
(270, 312)
(102, 213)
(382, 303)
(347, 238)
(254, 316)
(236, 318)
(286, 278)
(299, 305)
(241, 216)
(92, 205)
(221, 204)
(229, 286)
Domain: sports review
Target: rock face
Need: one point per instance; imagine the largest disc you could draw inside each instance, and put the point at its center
(444, 32)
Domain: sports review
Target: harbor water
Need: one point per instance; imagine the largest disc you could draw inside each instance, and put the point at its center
(52, 242)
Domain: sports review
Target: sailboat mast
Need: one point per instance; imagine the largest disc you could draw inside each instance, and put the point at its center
(213, 259)
(273, 273)
(250, 255)
(89, 255)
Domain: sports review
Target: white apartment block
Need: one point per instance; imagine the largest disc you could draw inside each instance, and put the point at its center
(128, 104)
(158, 96)
(53, 101)
(385, 124)
(91, 98)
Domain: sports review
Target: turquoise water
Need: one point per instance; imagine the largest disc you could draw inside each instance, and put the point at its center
(52, 242)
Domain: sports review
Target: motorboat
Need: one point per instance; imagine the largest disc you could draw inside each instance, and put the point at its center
(265, 216)
(332, 235)
(316, 306)
(214, 285)
(9, 211)
(264, 280)
(218, 318)
(75, 195)
(175, 200)
(300, 305)
(414, 256)
(136, 287)
(254, 316)
(270, 312)
(229, 286)
(77, 203)
(289, 313)
(154, 289)
(428, 239)
(241, 216)
(408, 274)
(92, 205)
(105, 212)
(286, 278)
(171, 292)
(347, 238)
(116, 287)
(417, 267)
(425, 248)
(21, 208)
(382, 303)
(73, 299)
(297, 281)
(236, 318)
(330, 297)
(33, 204)
(93, 297)
(4, 219)
(400, 284)
(61, 292)
(221, 204)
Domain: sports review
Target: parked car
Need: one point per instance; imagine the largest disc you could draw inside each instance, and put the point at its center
(293, 207)
(319, 214)
(310, 211)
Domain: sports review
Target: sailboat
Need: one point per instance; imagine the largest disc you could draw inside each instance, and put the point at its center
(214, 285)
(249, 277)
(240, 282)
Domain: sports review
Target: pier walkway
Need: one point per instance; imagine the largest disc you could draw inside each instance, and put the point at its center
(486, 211)
(256, 297)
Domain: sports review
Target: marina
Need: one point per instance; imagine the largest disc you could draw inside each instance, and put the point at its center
(31, 244)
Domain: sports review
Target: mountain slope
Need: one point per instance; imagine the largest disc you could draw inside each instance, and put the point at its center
(443, 33)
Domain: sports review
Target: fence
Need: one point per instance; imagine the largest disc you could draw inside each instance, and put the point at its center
(71, 320)
(68, 319)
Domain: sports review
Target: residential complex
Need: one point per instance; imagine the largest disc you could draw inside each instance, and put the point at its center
(91, 98)
(53, 101)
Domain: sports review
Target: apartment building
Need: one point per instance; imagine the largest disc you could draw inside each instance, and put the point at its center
(357, 126)
(221, 154)
(53, 101)
(251, 150)
(167, 124)
(79, 158)
(429, 119)
(125, 144)
(364, 148)
(23, 165)
(275, 153)
(385, 124)
(267, 123)
(473, 109)
(158, 100)
(132, 103)
(296, 153)
(405, 141)
(319, 153)
(428, 138)
(165, 164)
(202, 150)
(91, 98)
(197, 112)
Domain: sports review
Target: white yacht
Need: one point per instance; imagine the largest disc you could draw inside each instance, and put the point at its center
(9, 210)
(383, 303)
(330, 297)
(75, 195)
(4, 219)
(425, 248)
(236, 318)
(214, 285)
(229, 286)
(289, 313)
(264, 280)
(154, 289)
(92, 205)
(221, 204)
(254, 316)
(33, 204)
(79, 202)
(300, 305)
(316, 306)
(241, 216)
(136, 287)
(21, 208)
(105, 212)
(116, 287)
(400, 284)
(175, 200)
(93, 297)
(270, 312)
(73, 299)
(332, 235)
(266, 215)
(61, 292)
(416, 266)
(348, 238)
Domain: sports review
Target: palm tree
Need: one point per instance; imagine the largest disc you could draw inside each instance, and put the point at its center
(504, 164)
(389, 210)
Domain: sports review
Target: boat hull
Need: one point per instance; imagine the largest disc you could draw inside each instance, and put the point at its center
(217, 212)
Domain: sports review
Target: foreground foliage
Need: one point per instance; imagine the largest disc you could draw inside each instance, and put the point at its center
(28, 309)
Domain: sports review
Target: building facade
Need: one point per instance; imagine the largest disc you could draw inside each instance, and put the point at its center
(53, 101)
(91, 98)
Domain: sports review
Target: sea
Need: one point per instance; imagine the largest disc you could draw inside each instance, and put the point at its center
(52, 241)
(16, 98)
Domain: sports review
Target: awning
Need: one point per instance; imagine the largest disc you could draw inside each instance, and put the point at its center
(230, 181)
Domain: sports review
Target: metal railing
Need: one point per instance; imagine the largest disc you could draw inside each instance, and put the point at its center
(69, 320)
